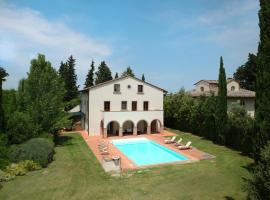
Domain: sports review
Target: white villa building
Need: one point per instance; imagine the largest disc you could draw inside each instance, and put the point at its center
(235, 94)
(122, 106)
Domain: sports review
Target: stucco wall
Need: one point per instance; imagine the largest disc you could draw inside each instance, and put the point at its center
(98, 95)
(204, 85)
(233, 83)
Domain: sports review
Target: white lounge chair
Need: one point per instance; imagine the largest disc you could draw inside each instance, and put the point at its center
(178, 143)
(171, 140)
(184, 147)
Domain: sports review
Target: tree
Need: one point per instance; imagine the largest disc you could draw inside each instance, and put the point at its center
(221, 111)
(89, 81)
(21, 101)
(68, 75)
(103, 73)
(128, 72)
(3, 75)
(143, 78)
(246, 74)
(44, 92)
(116, 75)
(259, 185)
(262, 102)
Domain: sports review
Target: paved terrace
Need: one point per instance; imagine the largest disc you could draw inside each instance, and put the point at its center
(93, 141)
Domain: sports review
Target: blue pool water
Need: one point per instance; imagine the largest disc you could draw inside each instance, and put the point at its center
(146, 152)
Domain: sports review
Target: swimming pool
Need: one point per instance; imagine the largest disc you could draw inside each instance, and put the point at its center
(146, 152)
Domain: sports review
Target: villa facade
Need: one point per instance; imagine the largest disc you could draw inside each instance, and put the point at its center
(122, 106)
(235, 94)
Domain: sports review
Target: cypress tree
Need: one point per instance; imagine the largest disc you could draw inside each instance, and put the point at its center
(90, 76)
(3, 75)
(221, 115)
(68, 75)
(128, 72)
(103, 73)
(143, 78)
(262, 108)
(116, 75)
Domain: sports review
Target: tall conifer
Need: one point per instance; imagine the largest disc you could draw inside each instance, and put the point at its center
(221, 115)
(90, 76)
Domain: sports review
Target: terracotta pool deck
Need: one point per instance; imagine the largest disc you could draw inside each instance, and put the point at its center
(193, 154)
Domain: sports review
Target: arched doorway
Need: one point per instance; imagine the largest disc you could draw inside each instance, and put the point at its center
(128, 128)
(113, 128)
(155, 126)
(142, 127)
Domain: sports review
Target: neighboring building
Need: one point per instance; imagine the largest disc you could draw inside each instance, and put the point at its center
(235, 94)
(122, 106)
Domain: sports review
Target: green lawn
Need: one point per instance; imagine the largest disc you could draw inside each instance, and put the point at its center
(76, 174)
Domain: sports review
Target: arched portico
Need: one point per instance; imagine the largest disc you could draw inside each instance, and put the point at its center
(142, 127)
(113, 128)
(128, 128)
(156, 126)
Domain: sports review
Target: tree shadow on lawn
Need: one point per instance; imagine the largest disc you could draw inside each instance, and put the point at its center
(229, 198)
(63, 140)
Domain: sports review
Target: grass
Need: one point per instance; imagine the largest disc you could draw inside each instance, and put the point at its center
(76, 174)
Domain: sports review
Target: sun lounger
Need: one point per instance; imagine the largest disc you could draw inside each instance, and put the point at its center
(184, 147)
(178, 143)
(171, 140)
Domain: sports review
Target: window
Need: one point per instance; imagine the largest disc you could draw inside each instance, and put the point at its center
(140, 88)
(232, 88)
(145, 105)
(242, 102)
(202, 89)
(124, 105)
(106, 106)
(134, 105)
(116, 88)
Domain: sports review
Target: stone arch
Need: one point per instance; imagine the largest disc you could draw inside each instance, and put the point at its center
(156, 126)
(142, 126)
(113, 128)
(128, 127)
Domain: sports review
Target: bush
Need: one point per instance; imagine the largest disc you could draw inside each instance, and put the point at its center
(259, 185)
(3, 151)
(18, 169)
(240, 129)
(40, 150)
(20, 128)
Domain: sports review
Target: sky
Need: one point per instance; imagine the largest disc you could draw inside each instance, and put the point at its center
(174, 43)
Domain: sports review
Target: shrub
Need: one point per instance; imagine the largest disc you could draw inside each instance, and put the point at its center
(240, 129)
(40, 150)
(3, 152)
(259, 185)
(20, 128)
(29, 165)
(18, 169)
(5, 176)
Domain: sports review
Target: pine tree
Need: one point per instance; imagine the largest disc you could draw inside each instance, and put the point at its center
(221, 114)
(262, 107)
(68, 75)
(246, 74)
(90, 76)
(128, 72)
(116, 75)
(143, 78)
(103, 73)
(3, 75)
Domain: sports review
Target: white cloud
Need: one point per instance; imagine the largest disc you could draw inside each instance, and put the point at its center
(25, 32)
(233, 9)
